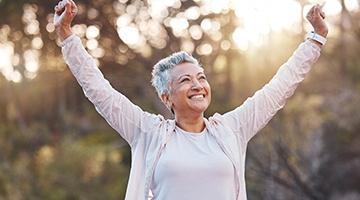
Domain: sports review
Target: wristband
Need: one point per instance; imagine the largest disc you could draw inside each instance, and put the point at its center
(312, 35)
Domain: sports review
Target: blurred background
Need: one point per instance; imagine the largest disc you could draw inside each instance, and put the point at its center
(54, 145)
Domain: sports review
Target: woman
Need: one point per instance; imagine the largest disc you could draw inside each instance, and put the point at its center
(190, 157)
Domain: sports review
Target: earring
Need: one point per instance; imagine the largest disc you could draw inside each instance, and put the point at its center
(168, 104)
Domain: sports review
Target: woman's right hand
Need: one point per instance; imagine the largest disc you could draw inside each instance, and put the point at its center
(65, 12)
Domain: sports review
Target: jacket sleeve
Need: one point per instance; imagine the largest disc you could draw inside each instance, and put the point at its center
(126, 118)
(256, 111)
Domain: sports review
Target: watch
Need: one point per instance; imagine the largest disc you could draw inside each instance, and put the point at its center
(317, 37)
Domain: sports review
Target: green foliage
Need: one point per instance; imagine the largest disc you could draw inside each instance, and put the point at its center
(70, 169)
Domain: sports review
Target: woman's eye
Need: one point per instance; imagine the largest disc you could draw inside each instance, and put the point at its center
(202, 77)
(185, 80)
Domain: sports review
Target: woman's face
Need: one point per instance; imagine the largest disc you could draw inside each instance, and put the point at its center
(190, 91)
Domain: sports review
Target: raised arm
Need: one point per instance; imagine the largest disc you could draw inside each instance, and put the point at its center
(126, 118)
(257, 111)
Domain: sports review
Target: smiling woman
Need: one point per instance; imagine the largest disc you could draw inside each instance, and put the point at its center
(189, 156)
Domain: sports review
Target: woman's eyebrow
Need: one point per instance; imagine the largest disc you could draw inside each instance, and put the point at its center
(188, 75)
(183, 76)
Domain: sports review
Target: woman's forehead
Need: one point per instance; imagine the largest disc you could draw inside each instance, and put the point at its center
(186, 68)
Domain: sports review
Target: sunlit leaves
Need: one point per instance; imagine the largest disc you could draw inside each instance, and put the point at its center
(30, 20)
(146, 26)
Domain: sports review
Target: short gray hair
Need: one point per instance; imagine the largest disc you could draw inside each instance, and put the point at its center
(160, 75)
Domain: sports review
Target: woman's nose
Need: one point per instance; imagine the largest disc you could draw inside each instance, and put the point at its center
(196, 85)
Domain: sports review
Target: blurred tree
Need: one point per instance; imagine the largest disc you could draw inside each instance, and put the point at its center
(310, 144)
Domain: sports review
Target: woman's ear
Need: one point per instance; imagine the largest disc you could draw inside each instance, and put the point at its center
(165, 98)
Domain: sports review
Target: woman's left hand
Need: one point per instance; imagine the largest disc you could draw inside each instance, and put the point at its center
(316, 18)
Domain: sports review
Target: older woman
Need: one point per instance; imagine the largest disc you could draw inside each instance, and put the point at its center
(190, 157)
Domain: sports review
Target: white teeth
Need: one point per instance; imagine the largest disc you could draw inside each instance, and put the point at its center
(200, 96)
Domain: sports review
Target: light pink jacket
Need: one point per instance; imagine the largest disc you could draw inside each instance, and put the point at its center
(147, 134)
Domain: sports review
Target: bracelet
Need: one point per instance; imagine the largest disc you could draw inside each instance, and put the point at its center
(312, 35)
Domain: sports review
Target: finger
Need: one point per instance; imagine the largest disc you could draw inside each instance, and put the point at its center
(72, 8)
(311, 11)
(61, 4)
(316, 6)
(73, 5)
(322, 14)
(59, 8)
(67, 6)
(318, 11)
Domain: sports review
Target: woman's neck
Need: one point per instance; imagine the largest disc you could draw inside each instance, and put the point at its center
(191, 124)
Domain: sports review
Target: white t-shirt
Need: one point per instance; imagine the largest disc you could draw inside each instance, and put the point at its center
(193, 166)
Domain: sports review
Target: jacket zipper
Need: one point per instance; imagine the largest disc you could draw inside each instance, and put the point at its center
(147, 188)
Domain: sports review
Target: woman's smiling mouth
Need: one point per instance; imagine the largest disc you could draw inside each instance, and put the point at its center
(197, 96)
